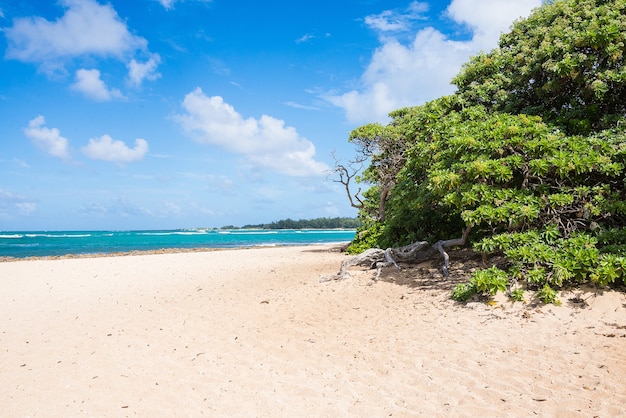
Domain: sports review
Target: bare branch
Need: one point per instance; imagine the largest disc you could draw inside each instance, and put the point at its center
(440, 245)
(346, 175)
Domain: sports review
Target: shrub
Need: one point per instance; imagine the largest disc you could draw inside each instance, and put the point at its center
(463, 292)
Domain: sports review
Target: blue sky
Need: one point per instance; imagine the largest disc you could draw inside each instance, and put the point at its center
(151, 114)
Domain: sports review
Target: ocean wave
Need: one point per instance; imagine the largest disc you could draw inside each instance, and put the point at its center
(163, 234)
(11, 236)
(254, 232)
(325, 231)
(58, 235)
(21, 245)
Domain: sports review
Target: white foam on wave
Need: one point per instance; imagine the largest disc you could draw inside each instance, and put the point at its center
(254, 232)
(58, 235)
(156, 234)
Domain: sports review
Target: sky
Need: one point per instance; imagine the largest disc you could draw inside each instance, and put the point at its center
(163, 114)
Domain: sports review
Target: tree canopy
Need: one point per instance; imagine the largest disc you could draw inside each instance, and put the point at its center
(529, 153)
(565, 63)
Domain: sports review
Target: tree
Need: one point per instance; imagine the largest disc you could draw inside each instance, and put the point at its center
(529, 155)
(565, 62)
(384, 147)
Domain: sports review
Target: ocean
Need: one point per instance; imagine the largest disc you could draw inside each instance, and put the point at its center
(43, 243)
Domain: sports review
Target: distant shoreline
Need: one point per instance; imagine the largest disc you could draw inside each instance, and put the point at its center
(330, 247)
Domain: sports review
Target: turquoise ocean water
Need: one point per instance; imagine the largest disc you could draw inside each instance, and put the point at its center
(40, 243)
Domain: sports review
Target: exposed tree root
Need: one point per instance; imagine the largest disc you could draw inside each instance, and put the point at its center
(412, 253)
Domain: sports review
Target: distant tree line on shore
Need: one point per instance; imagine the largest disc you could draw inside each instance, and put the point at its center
(317, 223)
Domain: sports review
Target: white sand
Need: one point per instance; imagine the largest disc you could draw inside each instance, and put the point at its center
(254, 333)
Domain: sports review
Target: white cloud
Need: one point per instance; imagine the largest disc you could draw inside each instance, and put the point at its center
(169, 4)
(11, 204)
(305, 38)
(296, 105)
(309, 37)
(138, 72)
(49, 139)
(16, 161)
(401, 75)
(394, 20)
(265, 142)
(86, 28)
(489, 18)
(91, 85)
(172, 208)
(106, 148)
(120, 206)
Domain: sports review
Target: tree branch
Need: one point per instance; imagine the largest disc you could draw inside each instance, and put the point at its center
(415, 252)
(345, 177)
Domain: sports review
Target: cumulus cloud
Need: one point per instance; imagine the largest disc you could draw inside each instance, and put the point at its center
(106, 148)
(48, 139)
(401, 74)
(86, 28)
(489, 18)
(89, 83)
(266, 142)
(138, 71)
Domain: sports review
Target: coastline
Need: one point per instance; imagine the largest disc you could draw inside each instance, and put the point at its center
(23, 244)
(337, 246)
(253, 332)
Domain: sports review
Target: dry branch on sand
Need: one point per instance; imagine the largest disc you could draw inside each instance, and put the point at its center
(413, 253)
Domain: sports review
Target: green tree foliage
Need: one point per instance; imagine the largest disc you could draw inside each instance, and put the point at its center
(530, 153)
(565, 62)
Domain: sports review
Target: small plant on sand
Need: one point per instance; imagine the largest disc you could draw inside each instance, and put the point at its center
(463, 292)
(548, 295)
(486, 282)
(490, 281)
(517, 295)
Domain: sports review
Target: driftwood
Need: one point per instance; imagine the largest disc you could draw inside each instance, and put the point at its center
(413, 253)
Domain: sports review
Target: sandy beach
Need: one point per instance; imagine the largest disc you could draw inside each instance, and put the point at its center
(254, 332)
